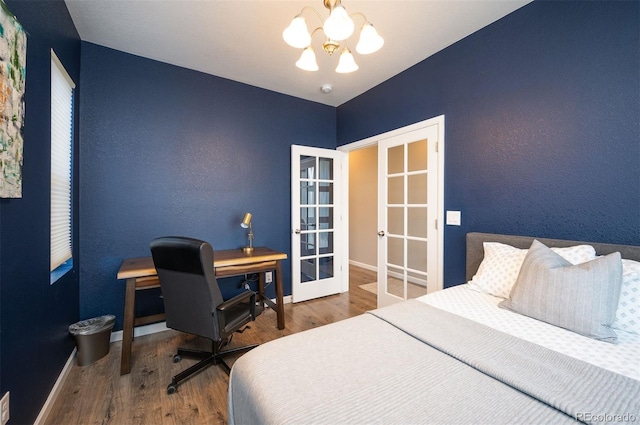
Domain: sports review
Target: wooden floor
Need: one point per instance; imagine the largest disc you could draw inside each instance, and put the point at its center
(97, 394)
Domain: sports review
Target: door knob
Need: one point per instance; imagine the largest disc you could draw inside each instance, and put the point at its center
(297, 231)
(381, 233)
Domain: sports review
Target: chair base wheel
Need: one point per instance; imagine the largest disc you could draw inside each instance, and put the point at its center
(177, 358)
(172, 388)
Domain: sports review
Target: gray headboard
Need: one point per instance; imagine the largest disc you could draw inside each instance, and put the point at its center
(475, 251)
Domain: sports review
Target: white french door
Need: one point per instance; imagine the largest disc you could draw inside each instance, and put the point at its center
(319, 246)
(409, 205)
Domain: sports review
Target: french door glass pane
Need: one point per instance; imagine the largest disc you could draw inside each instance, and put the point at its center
(308, 270)
(395, 190)
(417, 155)
(417, 285)
(325, 242)
(307, 218)
(307, 244)
(395, 251)
(307, 167)
(417, 188)
(326, 168)
(326, 217)
(395, 217)
(326, 267)
(417, 222)
(417, 255)
(395, 282)
(326, 193)
(307, 193)
(395, 160)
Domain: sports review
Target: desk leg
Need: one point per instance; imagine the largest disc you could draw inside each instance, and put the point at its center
(127, 330)
(261, 289)
(279, 295)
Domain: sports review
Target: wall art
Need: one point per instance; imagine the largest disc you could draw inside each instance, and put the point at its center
(13, 62)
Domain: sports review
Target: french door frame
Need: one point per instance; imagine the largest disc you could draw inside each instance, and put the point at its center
(373, 141)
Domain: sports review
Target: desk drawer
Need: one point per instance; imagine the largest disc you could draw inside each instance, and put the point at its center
(245, 269)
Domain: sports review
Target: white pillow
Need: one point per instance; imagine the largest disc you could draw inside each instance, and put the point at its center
(628, 312)
(501, 264)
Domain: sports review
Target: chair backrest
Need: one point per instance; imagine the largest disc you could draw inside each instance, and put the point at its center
(189, 287)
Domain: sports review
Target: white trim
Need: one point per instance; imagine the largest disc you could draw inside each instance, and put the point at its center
(363, 265)
(373, 140)
(55, 391)
(141, 331)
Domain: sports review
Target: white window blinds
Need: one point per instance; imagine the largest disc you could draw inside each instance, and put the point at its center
(61, 142)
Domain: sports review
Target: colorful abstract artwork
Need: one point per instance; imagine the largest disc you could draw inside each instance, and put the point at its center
(13, 60)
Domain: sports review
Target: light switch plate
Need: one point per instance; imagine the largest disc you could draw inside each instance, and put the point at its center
(453, 218)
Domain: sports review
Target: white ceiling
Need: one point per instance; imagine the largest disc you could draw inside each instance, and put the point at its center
(242, 39)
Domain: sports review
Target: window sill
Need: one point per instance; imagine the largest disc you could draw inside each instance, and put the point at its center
(60, 271)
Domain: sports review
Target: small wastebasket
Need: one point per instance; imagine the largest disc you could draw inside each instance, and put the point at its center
(92, 338)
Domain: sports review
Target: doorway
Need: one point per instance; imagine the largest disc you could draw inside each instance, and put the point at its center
(407, 245)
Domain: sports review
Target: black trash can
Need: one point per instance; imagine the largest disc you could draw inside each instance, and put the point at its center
(92, 338)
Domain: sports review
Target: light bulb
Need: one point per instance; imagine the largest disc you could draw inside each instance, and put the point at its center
(370, 41)
(307, 60)
(296, 34)
(347, 63)
(338, 25)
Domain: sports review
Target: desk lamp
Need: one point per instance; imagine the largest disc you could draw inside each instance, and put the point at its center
(246, 224)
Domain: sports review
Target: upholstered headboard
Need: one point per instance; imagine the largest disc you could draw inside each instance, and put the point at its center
(475, 250)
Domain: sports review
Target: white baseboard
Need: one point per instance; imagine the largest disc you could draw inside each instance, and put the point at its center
(363, 265)
(141, 331)
(55, 391)
(415, 280)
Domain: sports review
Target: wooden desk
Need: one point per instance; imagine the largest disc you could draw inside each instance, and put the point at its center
(141, 274)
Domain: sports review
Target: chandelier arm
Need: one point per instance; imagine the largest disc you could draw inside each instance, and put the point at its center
(316, 30)
(361, 14)
(315, 11)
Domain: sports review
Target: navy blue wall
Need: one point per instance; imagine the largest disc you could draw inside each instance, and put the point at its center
(542, 124)
(170, 151)
(35, 315)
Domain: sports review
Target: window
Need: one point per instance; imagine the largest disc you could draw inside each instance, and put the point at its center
(62, 88)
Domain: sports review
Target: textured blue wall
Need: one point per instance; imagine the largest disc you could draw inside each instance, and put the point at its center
(170, 151)
(35, 315)
(542, 124)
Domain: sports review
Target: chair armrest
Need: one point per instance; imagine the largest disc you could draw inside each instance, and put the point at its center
(241, 297)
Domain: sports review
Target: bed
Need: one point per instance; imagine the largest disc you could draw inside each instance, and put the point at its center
(468, 354)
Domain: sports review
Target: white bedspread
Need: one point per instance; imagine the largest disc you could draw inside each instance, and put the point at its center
(622, 357)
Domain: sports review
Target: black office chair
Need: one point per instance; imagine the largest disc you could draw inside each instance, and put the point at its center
(193, 302)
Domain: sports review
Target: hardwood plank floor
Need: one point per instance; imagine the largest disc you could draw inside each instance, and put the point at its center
(97, 394)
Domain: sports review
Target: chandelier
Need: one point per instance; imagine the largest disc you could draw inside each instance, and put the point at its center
(337, 29)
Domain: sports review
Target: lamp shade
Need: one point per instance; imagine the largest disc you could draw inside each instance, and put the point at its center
(338, 26)
(370, 41)
(347, 63)
(246, 220)
(307, 60)
(296, 34)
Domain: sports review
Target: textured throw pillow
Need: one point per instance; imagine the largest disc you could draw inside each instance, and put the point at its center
(501, 264)
(628, 312)
(581, 298)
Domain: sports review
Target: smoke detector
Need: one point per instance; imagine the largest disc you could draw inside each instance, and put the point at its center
(326, 88)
